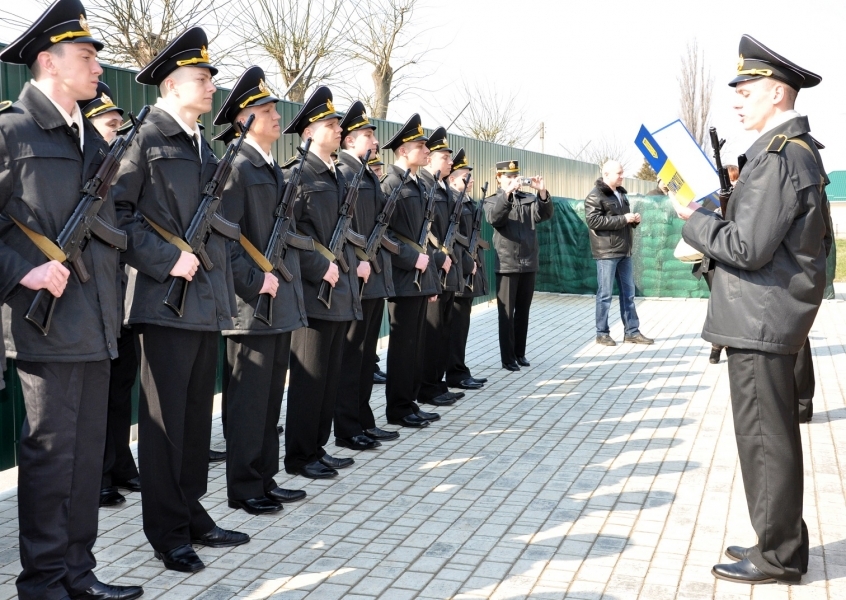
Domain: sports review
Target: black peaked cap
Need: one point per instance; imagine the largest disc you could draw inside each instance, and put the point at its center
(317, 108)
(756, 60)
(101, 104)
(249, 90)
(189, 49)
(412, 131)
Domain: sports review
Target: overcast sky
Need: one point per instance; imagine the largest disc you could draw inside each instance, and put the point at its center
(598, 70)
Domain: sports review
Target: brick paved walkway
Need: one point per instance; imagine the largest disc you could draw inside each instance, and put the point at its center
(596, 473)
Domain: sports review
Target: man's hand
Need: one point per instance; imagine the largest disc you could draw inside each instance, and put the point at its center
(474, 268)
(432, 299)
(51, 276)
(512, 186)
(186, 266)
(332, 274)
(447, 264)
(684, 212)
(363, 270)
(538, 183)
(271, 284)
(422, 262)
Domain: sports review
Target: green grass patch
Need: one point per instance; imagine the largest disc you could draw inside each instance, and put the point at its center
(840, 273)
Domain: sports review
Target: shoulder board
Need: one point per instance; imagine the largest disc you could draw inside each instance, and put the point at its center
(777, 144)
(5, 105)
(291, 161)
(817, 143)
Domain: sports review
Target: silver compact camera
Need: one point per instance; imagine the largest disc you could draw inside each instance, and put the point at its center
(525, 181)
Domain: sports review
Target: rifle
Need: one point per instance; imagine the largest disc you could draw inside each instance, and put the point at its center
(85, 222)
(343, 233)
(377, 237)
(476, 240)
(426, 229)
(452, 230)
(722, 172)
(206, 221)
(282, 236)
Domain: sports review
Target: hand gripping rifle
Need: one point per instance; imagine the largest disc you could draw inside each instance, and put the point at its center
(452, 230)
(282, 236)
(476, 240)
(206, 221)
(722, 172)
(377, 237)
(85, 223)
(343, 233)
(426, 230)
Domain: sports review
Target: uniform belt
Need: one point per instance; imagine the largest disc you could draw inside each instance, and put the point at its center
(320, 248)
(410, 242)
(169, 237)
(42, 242)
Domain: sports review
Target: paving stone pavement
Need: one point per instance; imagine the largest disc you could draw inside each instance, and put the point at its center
(596, 473)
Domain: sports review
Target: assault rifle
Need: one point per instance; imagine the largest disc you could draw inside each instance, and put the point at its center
(377, 237)
(85, 223)
(426, 229)
(282, 236)
(476, 240)
(207, 221)
(722, 172)
(452, 230)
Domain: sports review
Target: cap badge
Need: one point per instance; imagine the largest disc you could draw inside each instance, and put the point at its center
(511, 165)
(204, 53)
(740, 63)
(83, 24)
(262, 86)
(329, 106)
(105, 99)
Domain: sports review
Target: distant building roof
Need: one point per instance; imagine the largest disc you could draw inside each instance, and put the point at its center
(836, 190)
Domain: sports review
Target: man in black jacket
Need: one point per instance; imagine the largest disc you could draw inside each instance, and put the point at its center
(513, 214)
(47, 153)
(318, 349)
(157, 192)
(611, 224)
(770, 253)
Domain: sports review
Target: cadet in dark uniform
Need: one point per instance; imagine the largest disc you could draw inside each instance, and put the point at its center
(257, 353)
(317, 350)
(47, 153)
(514, 214)
(458, 374)
(768, 285)
(407, 309)
(355, 426)
(157, 192)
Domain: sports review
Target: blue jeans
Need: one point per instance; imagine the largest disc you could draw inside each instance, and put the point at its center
(607, 270)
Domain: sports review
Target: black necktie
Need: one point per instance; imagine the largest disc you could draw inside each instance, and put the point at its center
(195, 143)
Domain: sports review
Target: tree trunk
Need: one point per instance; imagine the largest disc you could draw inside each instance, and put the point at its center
(382, 79)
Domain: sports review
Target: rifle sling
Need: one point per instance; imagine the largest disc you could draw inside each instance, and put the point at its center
(254, 253)
(410, 242)
(42, 242)
(360, 254)
(169, 237)
(320, 248)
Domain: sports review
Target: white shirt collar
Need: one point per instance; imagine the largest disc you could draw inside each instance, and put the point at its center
(74, 117)
(780, 119)
(329, 164)
(163, 104)
(266, 157)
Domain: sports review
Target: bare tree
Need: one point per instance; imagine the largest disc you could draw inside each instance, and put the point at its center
(695, 88)
(600, 151)
(493, 115)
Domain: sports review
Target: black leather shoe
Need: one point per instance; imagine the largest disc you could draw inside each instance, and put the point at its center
(104, 591)
(427, 416)
(283, 496)
(736, 552)
(741, 572)
(336, 463)
(411, 420)
(380, 377)
(446, 399)
(216, 456)
(111, 497)
(280, 430)
(511, 366)
(316, 470)
(481, 380)
(381, 434)
(181, 558)
(357, 442)
(714, 357)
(521, 360)
(468, 384)
(605, 340)
(457, 395)
(221, 538)
(638, 338)
(130, 485)
(256, 506)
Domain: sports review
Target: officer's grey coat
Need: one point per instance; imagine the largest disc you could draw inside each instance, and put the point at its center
(444, 203)
(770, 249)
(250, 198)
(407, 221)
(480, 279)
(162, 177)
(513, 217)
(42, 171)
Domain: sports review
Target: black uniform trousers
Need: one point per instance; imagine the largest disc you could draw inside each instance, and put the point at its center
(59, 468)
(514, 293)
(257, 365)
(805, 382)
(316, 354)
(352, 407)
(178, 368)
(436, 341)
(118, 464)
(765, 407)
(405, 355)
(459, 330)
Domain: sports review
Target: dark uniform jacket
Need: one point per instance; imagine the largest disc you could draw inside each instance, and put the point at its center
(407, 221)
(162, 178)
(480, 279)
(250, 198)
(515, 240)
(444, 203)
(42, 171)
(770, 249)
(370, 203)
(320, 197)
(610, 235)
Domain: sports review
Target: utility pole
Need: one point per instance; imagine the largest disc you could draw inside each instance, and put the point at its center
(541, 136)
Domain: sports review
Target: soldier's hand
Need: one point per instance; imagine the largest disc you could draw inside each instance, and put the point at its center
(432, 299)
(447, 264)
(512, 186)
(186, 266)
(363, 270)
(683, 212)
(538, 183)
(332, 274)
(51, 276)
(474, 268)
(271, 284)
(422, 262)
